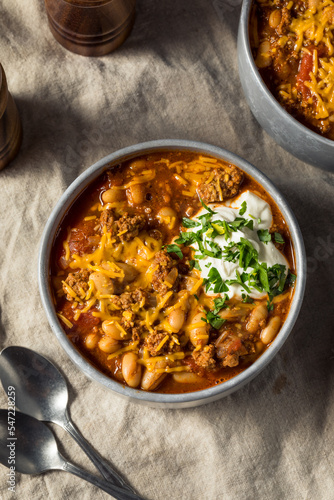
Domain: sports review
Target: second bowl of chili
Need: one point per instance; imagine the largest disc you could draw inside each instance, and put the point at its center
(280, 70)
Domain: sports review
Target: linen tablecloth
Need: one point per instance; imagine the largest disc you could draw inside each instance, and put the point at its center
(176, 76)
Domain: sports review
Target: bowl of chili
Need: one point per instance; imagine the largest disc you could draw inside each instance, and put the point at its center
(284, 71)
(172, 272)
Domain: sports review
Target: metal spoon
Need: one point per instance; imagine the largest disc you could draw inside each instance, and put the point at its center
(34, 450)
(41, 392)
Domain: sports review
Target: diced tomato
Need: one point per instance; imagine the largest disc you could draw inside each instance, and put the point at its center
(85, 322)
(234, 346)
(303, 75)
(80, 241)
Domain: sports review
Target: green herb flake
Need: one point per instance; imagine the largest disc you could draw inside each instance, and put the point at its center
(246, 299)
(189, 223)
(291, 278)
(270, 306)
(175, 249)
(208, 209)
(264, 235)
(279, 238)
(220, 303)
(215, 281)
(214, 320)
(243, 208)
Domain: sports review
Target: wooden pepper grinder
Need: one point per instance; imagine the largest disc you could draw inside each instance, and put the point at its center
(90, 27)
(10, 125)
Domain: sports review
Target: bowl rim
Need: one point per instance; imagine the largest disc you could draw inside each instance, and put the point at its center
(244, 27)
(66, 201)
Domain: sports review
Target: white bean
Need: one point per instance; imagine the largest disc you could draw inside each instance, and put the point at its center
(111, 330)
(109, 345)
(275, 18)
(137, 164)
(135, 194)
(151, 380)
(130, 272)
(269, 332)
(176, 319)
(199, 331)
(131, 370)
(91, 341)
(263, 58)
(111, 195)
(166, 212)
(186, 378)
(258, 314)
(103, 283)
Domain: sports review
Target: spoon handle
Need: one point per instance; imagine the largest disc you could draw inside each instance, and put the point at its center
(107, 472)
(113, 490)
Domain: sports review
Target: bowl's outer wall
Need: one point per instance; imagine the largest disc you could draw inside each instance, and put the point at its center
(286, 130)
(155, 399)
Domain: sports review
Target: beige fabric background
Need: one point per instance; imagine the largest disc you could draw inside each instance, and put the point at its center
(175, 77)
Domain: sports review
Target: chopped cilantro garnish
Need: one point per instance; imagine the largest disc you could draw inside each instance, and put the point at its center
(243, 208)
(194, 264)
(208, 209)
(270, 306)
(291, 278)
(175, 249)
(216, 249)
(238, 281)
(279, 238)
(264, 235)
(220, 303)
(214, 320)
(255, 276)
(247, 299)
(244, 251)
(186, 238)
(188, 223)
(214, 281)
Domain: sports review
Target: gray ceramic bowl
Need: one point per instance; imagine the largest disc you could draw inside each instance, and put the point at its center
(155, 399)
(287, 132)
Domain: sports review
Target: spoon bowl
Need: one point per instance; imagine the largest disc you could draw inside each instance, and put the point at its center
(34, 449)
(40, 388)
(34, 445)
(41, 392)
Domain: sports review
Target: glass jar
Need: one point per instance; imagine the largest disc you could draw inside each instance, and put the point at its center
(90, 27)
(10, 125)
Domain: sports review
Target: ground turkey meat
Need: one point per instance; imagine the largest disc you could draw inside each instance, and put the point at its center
(107, 219)
(136, 333)
(152, 342)
(283, 27)
(127, 300)
(224, 184)
(204, 358)
(78, 282)
(131, 224)
(165, 265)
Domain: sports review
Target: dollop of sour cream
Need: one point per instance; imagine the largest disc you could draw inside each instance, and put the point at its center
(259, 212)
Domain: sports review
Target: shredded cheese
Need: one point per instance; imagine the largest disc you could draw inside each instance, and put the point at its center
(65, 320)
